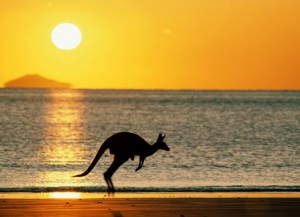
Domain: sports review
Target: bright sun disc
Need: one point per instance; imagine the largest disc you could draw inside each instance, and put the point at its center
(66, 36)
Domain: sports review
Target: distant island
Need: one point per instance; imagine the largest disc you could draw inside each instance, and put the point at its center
(35, 81)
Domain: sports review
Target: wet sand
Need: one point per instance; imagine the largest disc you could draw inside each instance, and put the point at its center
(157, 207)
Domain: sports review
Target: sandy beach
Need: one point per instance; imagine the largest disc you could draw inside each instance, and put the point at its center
(158, 207)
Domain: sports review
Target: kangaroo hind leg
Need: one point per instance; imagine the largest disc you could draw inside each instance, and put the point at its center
(118, 161)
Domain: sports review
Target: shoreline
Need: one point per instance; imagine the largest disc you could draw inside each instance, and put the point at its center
(85, 195)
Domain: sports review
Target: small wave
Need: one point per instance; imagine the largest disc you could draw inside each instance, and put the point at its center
(91, 189)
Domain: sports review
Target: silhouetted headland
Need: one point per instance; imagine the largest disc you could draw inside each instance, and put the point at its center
(35, 81)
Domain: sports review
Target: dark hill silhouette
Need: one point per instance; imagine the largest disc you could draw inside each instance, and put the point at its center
(35, 81)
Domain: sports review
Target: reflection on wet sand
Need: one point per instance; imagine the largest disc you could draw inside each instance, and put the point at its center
(64, 195)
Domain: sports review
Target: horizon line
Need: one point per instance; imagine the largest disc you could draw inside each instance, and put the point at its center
(153, 89)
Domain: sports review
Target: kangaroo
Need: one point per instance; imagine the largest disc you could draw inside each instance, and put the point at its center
(125, 145)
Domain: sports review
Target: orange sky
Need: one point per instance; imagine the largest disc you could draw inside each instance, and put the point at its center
(157, 44)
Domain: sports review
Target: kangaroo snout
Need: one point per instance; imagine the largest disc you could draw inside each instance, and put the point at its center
(165, 148)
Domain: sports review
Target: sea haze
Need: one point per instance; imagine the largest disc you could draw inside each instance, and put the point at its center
(219, 140)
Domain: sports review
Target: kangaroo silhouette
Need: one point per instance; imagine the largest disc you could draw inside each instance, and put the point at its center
(125, 145)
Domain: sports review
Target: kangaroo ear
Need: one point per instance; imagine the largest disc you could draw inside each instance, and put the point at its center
(161, 137)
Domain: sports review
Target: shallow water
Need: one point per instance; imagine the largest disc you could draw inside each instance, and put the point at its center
(219, 139)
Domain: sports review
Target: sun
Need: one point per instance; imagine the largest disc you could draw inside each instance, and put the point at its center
(66, 36)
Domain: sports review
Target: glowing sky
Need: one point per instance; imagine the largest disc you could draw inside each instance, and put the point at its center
(157, 44)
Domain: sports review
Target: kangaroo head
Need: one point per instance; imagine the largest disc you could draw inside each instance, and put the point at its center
(161, 144)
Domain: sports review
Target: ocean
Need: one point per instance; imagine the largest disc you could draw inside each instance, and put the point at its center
(219, 140)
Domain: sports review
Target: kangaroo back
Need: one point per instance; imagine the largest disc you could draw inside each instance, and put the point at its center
(100, 152)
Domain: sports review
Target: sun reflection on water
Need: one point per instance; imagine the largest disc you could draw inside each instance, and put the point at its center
(64, 130)
(62, 155)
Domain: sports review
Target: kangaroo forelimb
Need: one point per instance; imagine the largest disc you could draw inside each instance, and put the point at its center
(142, 159)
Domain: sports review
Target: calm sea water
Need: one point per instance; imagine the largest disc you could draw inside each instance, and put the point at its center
(219, 140)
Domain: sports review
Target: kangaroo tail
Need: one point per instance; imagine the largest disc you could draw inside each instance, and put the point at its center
(100, 152)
